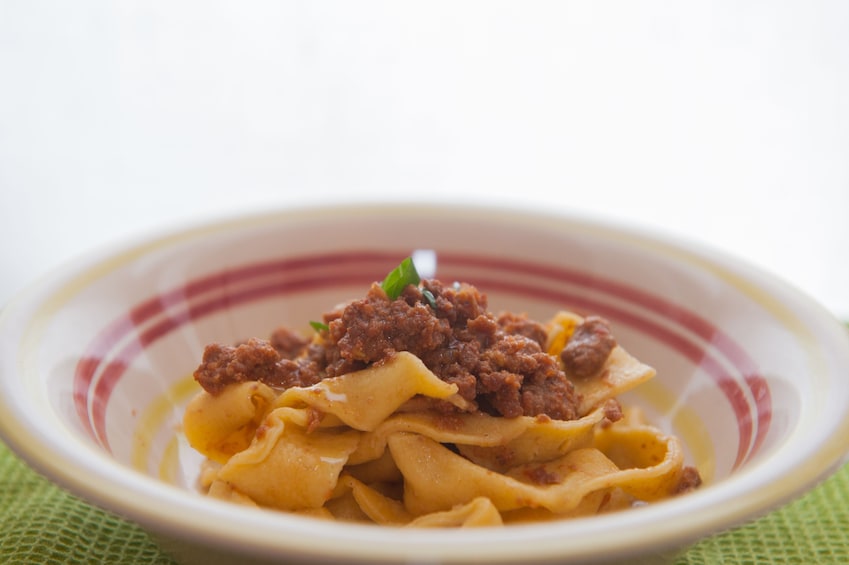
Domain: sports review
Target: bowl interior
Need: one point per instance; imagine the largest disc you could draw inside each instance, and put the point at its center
(742, 363)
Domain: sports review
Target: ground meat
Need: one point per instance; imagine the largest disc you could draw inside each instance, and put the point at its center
(370, 329)
(522, 325)
(497, 363)
(457, 303)
(612, 412)
(517, 378)
(588, 348)
(256, 360)
(690, 480)
(288, 343)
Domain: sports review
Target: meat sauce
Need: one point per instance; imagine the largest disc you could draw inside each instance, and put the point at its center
(498, 362)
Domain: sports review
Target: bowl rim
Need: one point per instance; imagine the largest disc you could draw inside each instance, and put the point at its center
(95, 477)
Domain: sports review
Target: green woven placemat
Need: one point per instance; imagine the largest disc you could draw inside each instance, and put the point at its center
(41, 523)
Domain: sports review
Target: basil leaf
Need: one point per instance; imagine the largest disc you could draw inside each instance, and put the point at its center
(398, 279)
(319, 326)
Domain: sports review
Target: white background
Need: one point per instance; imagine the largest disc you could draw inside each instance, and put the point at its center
(725, 122)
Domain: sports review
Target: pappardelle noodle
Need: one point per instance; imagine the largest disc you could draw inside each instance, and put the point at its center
(417, 406)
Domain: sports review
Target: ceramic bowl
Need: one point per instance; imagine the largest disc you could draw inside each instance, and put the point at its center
(97, 361)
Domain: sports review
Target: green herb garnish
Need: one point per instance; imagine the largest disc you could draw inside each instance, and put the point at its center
(431, 299)
(398, 279)
(319, 326)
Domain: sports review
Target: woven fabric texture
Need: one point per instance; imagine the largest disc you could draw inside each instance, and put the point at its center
(41, 523)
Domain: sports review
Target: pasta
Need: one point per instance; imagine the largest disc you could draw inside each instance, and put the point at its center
(323, 427)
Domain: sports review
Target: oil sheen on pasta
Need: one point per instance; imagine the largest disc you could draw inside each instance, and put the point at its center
(420, 407)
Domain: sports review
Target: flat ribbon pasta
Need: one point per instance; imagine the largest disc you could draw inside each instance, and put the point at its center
(651, 462)
(436, 479)
(221, 426)
(354, 447)
(495, 443)
(621, 373)
(363, 399)
(479, 512)
(287, 467)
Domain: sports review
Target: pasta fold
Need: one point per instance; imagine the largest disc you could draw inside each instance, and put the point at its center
(621, 373)
(437, 479)
(363, 399)
(288, 468)
(223, 425)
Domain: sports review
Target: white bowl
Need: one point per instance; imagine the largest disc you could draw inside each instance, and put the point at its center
(96, 364)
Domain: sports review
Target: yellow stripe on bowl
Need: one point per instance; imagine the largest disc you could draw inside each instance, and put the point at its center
(154, 417)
